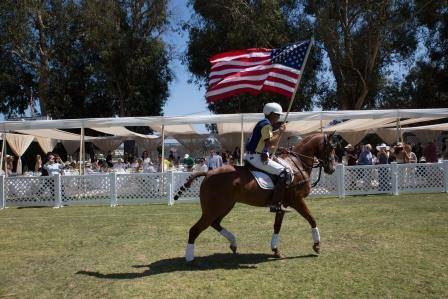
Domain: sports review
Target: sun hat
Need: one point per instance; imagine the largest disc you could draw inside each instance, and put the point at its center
(399, 144)
(186, 156)
(349, 146)
(382, 145)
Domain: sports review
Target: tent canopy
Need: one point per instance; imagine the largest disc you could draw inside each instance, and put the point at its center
(221, 118)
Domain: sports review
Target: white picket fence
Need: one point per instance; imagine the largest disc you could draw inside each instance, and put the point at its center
(121, 189)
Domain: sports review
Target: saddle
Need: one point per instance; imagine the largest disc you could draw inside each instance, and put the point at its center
(264, 179)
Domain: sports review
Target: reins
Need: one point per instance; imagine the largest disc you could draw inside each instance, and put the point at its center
(298, 156)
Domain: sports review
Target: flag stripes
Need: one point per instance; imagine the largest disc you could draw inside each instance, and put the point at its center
(255, 70)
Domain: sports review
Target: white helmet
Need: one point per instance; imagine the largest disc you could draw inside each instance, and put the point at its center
(272, 108)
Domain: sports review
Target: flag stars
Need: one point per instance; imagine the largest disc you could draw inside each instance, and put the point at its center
(291, 56)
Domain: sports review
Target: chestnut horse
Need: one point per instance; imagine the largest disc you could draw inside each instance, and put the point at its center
(224, 186)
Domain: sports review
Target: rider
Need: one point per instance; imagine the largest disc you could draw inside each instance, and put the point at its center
(257, 152)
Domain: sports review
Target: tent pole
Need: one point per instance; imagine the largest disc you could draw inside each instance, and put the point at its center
(242, 140)
(162, 163)
(398, 133)
(81, 153)
(321, 126)
(3, 150)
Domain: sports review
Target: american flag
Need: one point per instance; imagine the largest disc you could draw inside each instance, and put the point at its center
(256, 70)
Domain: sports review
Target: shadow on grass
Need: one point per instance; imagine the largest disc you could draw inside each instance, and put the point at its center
(226, 261)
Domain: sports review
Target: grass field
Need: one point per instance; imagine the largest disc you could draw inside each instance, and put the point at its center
(372, 246)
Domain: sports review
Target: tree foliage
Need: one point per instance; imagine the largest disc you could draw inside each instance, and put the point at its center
(426, 85)
(362, 39)
(360, 46)
(84, 58)
(221, 26)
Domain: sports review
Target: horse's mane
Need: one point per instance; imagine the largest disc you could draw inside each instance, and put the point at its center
(305, 141)
(309, 137)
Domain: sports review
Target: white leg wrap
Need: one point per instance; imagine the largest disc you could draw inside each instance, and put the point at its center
(229, 236)
(274, 241)
(189, 253)
(316, 235)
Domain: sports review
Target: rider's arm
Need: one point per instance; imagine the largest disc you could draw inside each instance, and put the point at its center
(274, 136)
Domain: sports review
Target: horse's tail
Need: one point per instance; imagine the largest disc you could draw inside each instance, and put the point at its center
(187, 184)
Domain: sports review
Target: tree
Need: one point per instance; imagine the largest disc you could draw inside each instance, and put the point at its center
(134, 59)
(87, 58)
(23, 37)
(221, 26)
(426, 85)
(361, 39)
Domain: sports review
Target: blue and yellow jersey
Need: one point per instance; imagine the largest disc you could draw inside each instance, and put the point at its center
(261, 132)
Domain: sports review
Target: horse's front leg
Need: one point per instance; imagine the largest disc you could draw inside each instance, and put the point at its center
(275, 235)
(302, 208)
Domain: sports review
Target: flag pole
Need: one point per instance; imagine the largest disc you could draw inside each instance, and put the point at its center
(242, 132)
(295, 88)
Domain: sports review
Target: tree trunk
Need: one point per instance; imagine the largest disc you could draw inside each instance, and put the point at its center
(43, 66)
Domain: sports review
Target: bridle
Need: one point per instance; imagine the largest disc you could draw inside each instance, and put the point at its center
(328, 147)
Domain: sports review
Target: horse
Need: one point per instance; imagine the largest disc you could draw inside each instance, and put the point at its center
(223, 187)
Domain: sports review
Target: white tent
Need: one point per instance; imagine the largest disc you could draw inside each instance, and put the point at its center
(221, 118)
(356, 123)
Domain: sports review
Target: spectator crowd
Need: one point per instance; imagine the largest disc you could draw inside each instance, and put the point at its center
(52, 163)
(365, 154)
(361, 154)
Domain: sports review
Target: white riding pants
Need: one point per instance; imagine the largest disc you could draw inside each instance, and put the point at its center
(269, 166)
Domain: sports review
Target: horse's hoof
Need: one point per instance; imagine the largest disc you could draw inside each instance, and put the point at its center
(277, 253)
(233, 248)
(316, 248)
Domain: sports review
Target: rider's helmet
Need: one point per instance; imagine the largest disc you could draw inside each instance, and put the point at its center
(272, 108)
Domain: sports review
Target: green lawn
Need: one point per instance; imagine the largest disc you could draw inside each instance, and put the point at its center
(372, 246)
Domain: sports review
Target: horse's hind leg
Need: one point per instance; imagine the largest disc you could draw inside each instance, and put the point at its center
(277, 227)
(195, 231)
(302, 208)
(225, 233)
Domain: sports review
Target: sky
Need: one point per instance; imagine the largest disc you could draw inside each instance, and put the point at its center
(185, 98)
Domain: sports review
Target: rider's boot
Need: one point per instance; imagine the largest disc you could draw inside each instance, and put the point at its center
(279, 193)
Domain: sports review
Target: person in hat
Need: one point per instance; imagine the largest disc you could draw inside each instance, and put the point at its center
(366, 157)
(383, 153)
(350, 155)
(399, 153)
(188, 162)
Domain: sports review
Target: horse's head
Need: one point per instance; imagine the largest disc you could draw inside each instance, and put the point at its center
(325, 153)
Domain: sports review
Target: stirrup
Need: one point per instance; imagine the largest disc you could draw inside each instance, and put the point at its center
(278, 209)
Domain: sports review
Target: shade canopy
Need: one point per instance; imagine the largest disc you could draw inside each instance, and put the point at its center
(220, 118)
(51, 133)
(121, 131)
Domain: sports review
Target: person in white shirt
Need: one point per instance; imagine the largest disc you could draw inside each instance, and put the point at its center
(120, 165)
(200, 167)
(412, 156)
(145, 157)
(88, 168)
(53, 167)
(214, 160)
(148, 167)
